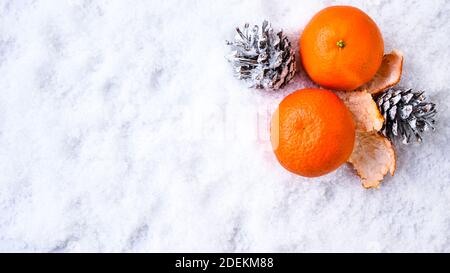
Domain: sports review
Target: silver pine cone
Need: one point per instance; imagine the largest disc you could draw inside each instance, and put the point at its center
(262, 57)
(406, 114)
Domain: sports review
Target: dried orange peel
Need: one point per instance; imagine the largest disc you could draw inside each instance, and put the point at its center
(364, 109)
(373, 155)
(388, 74)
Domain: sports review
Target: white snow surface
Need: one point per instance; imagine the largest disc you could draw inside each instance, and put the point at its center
(122, 128)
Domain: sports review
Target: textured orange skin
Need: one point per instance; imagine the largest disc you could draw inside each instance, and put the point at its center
(339, 68)
(312, 132)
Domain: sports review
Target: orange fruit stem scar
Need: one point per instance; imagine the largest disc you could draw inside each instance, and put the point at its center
(340, 44)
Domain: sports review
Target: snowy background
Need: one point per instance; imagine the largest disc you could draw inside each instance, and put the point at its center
(123, 129)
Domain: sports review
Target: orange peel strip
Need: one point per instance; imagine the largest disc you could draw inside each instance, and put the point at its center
(373, 157)
(364, 109)
(388, 75)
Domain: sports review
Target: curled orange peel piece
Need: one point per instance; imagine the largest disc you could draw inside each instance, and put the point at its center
(388, 75)
(373, 157)
(364, 109)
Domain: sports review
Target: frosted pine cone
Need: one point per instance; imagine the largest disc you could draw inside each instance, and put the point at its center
(406, 114)
(262, 57)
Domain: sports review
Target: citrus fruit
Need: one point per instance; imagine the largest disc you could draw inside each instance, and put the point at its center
(341, 48)
(312, 132)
